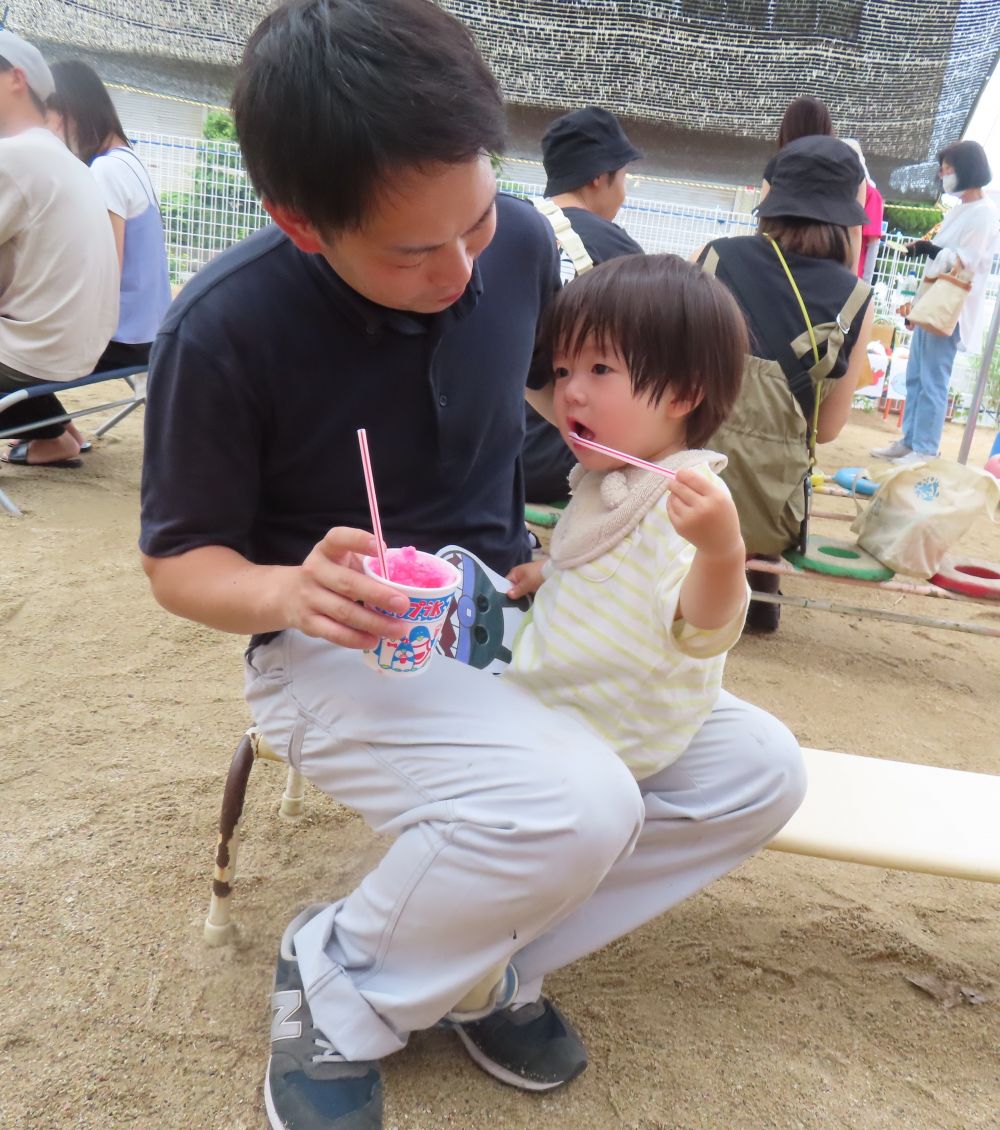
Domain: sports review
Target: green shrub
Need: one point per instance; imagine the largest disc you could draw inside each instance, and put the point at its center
(220, 209)
(219, 126)
(912, 219)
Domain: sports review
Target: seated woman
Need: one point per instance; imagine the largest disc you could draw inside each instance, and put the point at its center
(82, 113)
(810, 318)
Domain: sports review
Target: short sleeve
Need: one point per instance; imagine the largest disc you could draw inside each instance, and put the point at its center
(702, 643)
(979, 240)
(13, 208)
(204, 436)
(120, 186)
(539, 376)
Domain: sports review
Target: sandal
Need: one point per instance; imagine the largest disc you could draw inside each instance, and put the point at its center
(18, 455)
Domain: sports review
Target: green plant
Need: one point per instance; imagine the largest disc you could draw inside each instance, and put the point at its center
(219, 126)
(219, 210)
(912, 219)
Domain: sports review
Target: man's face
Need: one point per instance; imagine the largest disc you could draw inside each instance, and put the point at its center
(614, 194)
(416, 248)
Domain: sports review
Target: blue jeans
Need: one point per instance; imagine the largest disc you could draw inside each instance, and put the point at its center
(928, 374)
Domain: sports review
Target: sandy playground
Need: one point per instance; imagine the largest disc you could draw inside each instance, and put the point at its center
(777, 998)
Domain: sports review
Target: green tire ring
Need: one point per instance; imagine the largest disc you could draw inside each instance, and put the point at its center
(838, 559)
(543, 514)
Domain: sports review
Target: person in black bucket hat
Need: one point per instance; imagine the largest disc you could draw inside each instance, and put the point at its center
(816, 178)
(581, 146)
(584, 153)
(809, 228)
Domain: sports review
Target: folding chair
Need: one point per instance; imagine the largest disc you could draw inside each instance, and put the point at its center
(134, 377)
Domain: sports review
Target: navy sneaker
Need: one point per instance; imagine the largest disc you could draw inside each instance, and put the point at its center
(533, 1047)
(308, 1085)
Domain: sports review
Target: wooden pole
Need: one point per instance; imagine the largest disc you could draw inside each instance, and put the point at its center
(877, 614)
(914, 588)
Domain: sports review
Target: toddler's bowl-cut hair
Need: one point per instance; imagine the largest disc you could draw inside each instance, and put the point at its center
(677, 329)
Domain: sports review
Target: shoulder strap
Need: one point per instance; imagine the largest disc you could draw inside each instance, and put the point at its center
(566, 237)
(753, 296)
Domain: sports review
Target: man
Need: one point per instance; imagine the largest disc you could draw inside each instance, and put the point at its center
(58, 264)
(584, 154)
(403, 298)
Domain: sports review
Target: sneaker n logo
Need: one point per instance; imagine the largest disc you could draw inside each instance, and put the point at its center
(286, 1004)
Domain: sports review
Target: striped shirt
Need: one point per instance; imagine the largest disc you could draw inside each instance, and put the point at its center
(602, 644)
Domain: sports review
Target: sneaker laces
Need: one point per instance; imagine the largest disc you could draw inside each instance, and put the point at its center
(329, 1054)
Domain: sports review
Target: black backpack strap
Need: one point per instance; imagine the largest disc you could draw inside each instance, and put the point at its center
(754, 299)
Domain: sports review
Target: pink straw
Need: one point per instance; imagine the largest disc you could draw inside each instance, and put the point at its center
(366, 463)
(599, 447)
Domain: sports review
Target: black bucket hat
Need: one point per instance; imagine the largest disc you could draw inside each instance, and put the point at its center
(816, 178)
(582, 145)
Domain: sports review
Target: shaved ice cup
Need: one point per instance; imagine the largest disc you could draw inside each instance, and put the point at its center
(410, 654)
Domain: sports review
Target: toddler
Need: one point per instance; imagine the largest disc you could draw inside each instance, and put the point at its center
(645, 589)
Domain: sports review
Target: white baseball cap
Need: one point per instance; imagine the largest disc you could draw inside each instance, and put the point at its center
(20, 53)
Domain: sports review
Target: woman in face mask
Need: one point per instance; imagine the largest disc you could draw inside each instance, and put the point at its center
(967, 240)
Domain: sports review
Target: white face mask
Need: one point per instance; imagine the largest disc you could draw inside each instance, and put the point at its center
(949, 182)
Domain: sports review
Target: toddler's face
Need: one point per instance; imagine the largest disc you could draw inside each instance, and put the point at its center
(593, 397)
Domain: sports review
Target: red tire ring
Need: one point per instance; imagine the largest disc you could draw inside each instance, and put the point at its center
(969, 576)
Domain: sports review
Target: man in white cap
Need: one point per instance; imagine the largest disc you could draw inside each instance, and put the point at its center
(58, 263)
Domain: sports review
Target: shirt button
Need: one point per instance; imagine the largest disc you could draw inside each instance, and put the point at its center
(443, 400)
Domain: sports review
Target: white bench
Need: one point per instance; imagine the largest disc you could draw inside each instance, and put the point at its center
(897, 815)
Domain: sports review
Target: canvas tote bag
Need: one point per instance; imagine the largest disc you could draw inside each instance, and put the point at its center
(921, 510)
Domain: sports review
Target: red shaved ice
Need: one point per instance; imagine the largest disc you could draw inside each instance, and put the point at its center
(408, 566)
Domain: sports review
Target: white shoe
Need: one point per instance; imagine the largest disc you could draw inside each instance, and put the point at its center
(894, 450)
(912, 457)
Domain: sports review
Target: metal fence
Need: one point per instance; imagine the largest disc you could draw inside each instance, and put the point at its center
(208, 205)
(205, 196)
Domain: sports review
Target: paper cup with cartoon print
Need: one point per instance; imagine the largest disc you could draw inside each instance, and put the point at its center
(429, 605)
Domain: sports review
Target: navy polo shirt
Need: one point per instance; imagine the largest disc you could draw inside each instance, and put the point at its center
(268, 363)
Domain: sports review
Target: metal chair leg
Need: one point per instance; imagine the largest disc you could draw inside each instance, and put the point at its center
(219, 929)
(7, 503)
(118, 417)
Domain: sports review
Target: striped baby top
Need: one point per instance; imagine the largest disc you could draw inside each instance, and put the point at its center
(602, 644)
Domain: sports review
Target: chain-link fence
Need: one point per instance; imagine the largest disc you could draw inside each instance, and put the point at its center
(205, 197)
(208, 205)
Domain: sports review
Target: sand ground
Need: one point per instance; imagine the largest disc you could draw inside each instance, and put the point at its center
(776, 998)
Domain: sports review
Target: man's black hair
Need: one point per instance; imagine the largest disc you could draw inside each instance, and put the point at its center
(7, 65)
(968, 159)
(335, 98)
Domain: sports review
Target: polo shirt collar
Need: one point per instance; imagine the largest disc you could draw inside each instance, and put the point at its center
(371, 318)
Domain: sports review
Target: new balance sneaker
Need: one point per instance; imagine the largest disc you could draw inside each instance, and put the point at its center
(532, 1047)
(913, 457)
(308, 1085)
(894, 450)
